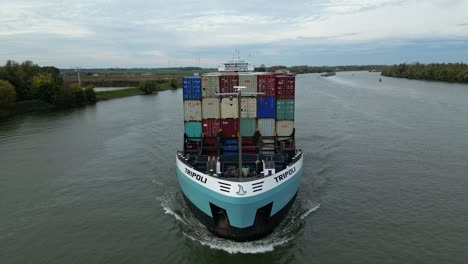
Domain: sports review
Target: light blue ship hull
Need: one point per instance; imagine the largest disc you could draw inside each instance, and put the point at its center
(242, 212)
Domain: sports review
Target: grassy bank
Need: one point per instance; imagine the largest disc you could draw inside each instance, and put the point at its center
(106, 95)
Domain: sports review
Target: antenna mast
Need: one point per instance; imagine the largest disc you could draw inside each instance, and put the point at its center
(78, 74)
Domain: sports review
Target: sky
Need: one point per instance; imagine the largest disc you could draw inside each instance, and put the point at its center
(175, 33)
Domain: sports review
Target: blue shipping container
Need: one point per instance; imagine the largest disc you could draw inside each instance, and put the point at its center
(230, 142)
(266, 107)
(192, 88)
(230, 147)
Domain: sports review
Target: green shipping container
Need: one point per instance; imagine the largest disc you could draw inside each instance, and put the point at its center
(285, 109)
(248, 127)
(193, 130)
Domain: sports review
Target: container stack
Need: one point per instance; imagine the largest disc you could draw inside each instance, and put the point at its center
(192, 110)
(212, 119)
(229, 112)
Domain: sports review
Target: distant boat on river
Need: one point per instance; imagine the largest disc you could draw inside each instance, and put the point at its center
(326, 74)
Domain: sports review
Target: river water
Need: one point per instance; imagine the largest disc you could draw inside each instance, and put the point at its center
(385, 180)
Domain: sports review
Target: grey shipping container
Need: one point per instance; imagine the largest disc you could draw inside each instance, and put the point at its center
(249, 80)
(284, 128)
(210, 108)
(248, 127)
(192, 110)
(266, 126)
(248, 107)
(229, 108)
(210, 84)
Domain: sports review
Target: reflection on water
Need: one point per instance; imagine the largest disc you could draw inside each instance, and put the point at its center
(102, 89)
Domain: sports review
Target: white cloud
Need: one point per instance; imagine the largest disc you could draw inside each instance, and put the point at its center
(32, 18)
(167, 31)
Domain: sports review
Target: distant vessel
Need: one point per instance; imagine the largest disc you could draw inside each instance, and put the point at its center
(326, 74)
(240, 170)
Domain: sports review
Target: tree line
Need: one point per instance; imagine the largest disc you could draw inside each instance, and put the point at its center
(301, 69)
(28, 81)
(448, 72)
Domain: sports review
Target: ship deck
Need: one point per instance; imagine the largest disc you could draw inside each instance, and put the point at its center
(226, 166)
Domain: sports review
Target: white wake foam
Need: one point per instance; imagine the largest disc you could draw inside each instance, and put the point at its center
(195, 231)
(232, 247)
(166, 205)
(308, 212)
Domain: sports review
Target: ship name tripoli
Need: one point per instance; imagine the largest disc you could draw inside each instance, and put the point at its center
(196, 176)
(285, 175)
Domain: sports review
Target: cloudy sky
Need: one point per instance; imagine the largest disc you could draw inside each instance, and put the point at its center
(137, 33)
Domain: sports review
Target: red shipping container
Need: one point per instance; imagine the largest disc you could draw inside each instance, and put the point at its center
(285, 87)
(209, 141)
(211, 127)
(191, 145)
(249, 146)
(266, 83)
(230, 127)
(227, 82)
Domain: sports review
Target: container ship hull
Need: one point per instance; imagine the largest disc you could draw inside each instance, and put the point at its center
(240, 210)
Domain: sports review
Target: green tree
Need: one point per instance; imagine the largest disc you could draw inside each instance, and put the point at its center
(65, 98)
(3, 73)
(450, 72)
(277, 67)
(21, 77)
(80, 98)
(54, 73)
(7, 94)
(148, 86)
(44, 88)
(90, 94)
(174, 83)
(262, 68)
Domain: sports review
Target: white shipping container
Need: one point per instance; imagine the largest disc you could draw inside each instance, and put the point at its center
(249, 80)
(284, 128)
(210, 84)
(229, 108)
(266, 126)
(248, 107)
(192, 110)
(210, 108)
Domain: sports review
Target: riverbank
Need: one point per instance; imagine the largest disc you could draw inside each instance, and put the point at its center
(444, 72)
(31, 106)
(119, 93)
(24, 107)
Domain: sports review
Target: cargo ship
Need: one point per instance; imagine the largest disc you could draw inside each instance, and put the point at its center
(239, 170)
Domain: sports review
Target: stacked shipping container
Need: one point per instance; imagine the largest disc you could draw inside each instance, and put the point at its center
(206, 113)
(285, 93)
(191, 89)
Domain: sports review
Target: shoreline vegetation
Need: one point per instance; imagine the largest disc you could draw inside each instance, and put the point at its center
(301, 69)
(446, 72)
(27, 87)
